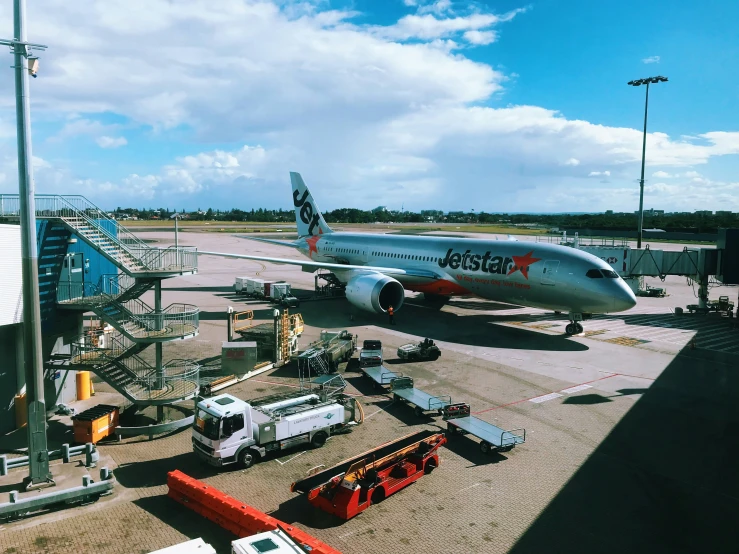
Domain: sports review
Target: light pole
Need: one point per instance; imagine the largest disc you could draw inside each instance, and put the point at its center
(26, 63)
(636, 83)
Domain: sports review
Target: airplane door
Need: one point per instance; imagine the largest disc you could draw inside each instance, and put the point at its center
(71, 277)
(549, 272)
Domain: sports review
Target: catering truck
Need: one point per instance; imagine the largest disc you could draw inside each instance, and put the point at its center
(228, 430)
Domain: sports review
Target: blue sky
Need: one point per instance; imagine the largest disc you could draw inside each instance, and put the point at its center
(500, 106)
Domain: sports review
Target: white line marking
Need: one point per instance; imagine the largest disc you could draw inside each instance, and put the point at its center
(550, 396)
(291, 459)
(578, 388)
(470, 487)
(378, 411)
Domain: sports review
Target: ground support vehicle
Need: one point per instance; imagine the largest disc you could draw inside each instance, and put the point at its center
(402, 388)
(380, 374)
(228, 430)
(354, 485)
(288, 301)
(324, 355)
(240, 285)
(460, 422)
(654, 292)
(424, 350)
(723, 306)
(371, 354)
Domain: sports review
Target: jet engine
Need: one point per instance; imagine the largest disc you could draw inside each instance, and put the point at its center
(375, 292)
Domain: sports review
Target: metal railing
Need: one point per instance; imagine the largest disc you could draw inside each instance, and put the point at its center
(72, 208)
(177, 320)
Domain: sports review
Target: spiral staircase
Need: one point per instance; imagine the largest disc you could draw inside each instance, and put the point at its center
(127, 325)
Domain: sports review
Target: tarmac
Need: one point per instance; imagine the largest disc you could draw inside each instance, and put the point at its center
(632, 430)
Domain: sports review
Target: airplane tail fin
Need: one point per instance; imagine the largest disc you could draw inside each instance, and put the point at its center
(307, 215)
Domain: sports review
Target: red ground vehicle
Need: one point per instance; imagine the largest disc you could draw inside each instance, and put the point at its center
(354, 485)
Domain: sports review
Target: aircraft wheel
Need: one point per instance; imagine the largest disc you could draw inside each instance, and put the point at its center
(578, 328)
(570, 329)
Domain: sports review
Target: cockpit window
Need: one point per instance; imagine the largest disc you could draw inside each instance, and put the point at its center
(610, 274)
(594, 274)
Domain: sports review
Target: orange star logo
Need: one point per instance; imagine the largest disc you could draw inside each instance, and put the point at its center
(313, 243)
(522, 263)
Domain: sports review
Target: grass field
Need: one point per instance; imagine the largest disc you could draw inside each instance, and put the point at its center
(257, 227)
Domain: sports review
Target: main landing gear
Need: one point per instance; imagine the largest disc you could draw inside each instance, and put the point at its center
(574, 327)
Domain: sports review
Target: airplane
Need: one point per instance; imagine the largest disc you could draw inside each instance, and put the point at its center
(377, 269)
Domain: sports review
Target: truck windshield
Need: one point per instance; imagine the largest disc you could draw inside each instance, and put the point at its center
(207, 424)
(372, 345)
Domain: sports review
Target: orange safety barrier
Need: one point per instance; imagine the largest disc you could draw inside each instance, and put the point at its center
(227, 512)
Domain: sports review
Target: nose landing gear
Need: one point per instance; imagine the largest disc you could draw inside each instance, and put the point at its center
(574, 327)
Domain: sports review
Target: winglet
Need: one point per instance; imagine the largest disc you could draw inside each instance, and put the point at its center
(307, 215)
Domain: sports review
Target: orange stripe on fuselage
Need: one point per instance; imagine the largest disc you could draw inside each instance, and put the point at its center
(441, 286)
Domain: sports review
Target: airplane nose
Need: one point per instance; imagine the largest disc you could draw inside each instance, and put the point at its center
(624, 299)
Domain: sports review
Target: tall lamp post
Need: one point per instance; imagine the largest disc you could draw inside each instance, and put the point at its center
(25, 64)
(636, 83)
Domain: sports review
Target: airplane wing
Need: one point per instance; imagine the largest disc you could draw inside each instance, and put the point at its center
(309, 265)
(290, 243)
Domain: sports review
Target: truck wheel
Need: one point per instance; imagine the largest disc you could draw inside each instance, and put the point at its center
(248, 458)
(319, 439)
(378, 495)
(486, 447)
(419, 411)
(430, 466)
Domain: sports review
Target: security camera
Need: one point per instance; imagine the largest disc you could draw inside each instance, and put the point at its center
(32, 66)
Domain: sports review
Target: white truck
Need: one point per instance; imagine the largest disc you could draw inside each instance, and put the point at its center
(371, 354)
(274, 542)
(228, 430)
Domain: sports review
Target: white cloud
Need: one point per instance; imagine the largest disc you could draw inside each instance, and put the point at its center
(111, 142)
(691, 174)
(651, 59)
(663, 175)
(480, 37)
(394, 111)
(599, 173)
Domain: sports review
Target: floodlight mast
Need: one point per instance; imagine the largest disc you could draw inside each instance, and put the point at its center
(636, 83)
(39, 474)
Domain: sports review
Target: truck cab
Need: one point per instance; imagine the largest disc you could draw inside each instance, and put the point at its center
(274, 542)
(371, 354)
(228, 430)
(222, 425)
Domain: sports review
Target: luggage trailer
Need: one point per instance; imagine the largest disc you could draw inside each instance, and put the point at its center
(402, 388)
(353, 485)
(381, 375)
(492, 438)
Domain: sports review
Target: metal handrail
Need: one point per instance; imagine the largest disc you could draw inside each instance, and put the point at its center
(69, 206)
(513, 439)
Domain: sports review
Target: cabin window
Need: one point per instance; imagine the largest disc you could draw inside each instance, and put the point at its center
(594, 274)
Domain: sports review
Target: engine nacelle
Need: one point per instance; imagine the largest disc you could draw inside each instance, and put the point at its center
(375, 292)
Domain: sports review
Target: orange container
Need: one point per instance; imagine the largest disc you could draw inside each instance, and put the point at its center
(21, 411)
(95, 424)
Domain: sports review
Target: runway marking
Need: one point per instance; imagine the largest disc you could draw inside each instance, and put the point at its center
(291, 459)
(550, 396)
(470, 487)
(578, 388)
(626, 341)
(529, 398)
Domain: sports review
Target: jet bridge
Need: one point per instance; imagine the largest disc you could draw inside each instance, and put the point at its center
(697, 263)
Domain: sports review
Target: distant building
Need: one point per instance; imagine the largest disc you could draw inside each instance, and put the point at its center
(703, 212)
(724, 213)
(379, 209)
(609, 212)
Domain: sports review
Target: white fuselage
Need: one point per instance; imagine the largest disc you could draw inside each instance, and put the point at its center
(531, 274)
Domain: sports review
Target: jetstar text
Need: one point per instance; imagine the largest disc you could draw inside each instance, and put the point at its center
(306, 210)
(476, 262)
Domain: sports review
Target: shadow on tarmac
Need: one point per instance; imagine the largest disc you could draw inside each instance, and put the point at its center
(472, 329)
(187, 522)
(153, 473)
(665, 479)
